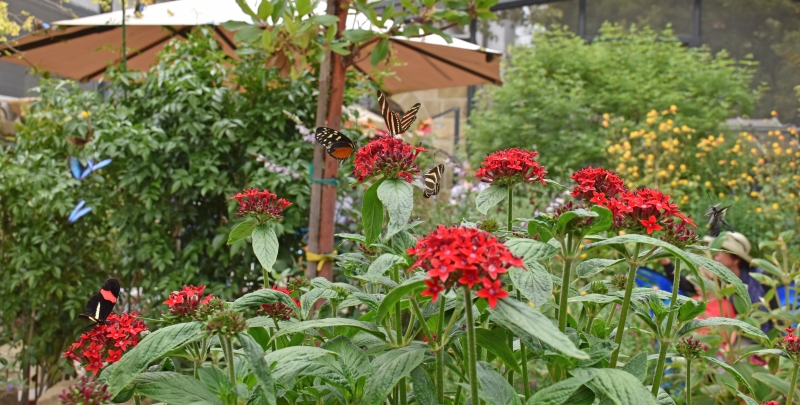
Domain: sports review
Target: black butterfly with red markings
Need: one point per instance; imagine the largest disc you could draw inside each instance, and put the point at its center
(101, 304)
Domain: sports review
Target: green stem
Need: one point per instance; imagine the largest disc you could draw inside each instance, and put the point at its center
(562, 306)
(792, 386)
(415, 307)
(266, 277)
(511, 347)
(402, 392)
(666, 335)
(524, 358)
(689, 381)
(398, 316)
(473, 362)
(137, 399)
(227, 347)
(440, 352)
(626, 302)
(510, 208)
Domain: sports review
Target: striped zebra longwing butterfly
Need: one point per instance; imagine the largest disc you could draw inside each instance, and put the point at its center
(432, 181)
(101, 304)
(336, 144)
(395, 123)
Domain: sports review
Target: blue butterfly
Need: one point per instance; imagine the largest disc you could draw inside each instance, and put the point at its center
(78, 212)
(81, 172)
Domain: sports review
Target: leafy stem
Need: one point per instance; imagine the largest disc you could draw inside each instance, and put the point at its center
(633, 264)
(562, 306)
(666, 338)
(510, 208)
(793, 385)
(440, 352)
(471, 355)
(689, 381)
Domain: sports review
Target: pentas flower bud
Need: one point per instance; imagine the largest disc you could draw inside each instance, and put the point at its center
(460, 256)
(279, 310)
(620, 281)
(690, 348)
(790, 344)
(184, 303)
(597, 184)
(511, 166)
(209, 307)
(86, 392)
(226, 322)
(598, 287)
(105, 343)
(387, 156)
(264, 205)
(489, 225)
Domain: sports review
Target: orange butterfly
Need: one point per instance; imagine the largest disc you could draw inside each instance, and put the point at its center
(338, 146)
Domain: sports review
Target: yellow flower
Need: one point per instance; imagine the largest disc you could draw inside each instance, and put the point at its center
(671, 167)
(676, 130)
(774, 206)
(721, 195)
(791, 195)
(774, 113)
(621, 233)
(759, 210)
(686, 129)
(708, 184)
(652, 113)
(650, 120)
(683, 168)
(662, 173)
(754, 194)
(606, 116)
(754, 151)
(605, 124)
(673, 108)
(583, 293)
(85, 114)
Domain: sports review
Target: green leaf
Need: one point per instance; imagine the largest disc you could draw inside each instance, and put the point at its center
(265, 245)
(301, 327)
(531, 250)
(491, 340)
(637, 366)
(324, 19)
(259, 366)
(303, 7)
(291, 362)
(266, 7)
(358, 35)
(310, 298)
(266, 40)
(568, 216)
(388, 369)
(260, 297)
(152, 347)
(242, 231)
(521, 318)
(174, 388)
(372, 213)
(593, 266)
(353, 361)
(410, 286)
(768, 266)
(775, 383)
(494, 389)
(424, 389)
(620, 387)
(743, 326)
(747, 400)
(490, 197)
(534, 284)
(603, 222)
(379, 52)
(724, 273)
(560, 392)
(764, 352)
(352, 236)
(732, 371)
(663, 398)
(383, 263)
(595, 298)
(542, 226)
(398, 198)
(246, 8)
(690, 309)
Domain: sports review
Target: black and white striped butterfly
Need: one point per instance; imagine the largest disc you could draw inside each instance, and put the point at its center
(395, 123)
(101, 304)
(432, 181)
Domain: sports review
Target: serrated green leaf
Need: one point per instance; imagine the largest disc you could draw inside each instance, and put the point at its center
(690, 309)
(494, 389)
(398, 198)
(490, 197)
(492, 340)
(372, 213)
(518, 317)
(265, 245)
(242, 231)
(354, 361)
(663, 398)
(326, 323)
(259, 366)
(531, 250)
(260, 297)
(593, 266)
(174, 388)
(424, 388)
(388, 369)
(702, 323)
(410, 286)
(560, 392)
(732, 371)
(534, 284)
(620, 387)
(383, 263)
(637, 366)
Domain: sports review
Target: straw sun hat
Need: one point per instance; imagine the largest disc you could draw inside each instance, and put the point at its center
(735, 243)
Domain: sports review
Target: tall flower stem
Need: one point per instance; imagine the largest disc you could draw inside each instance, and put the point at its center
(471, 355)
(137, 399)
(633, 264)
(440, 352)
(563, 303)
(510, 207)
(227, 348)
(524, 358)
(792, 386)
(666, 338)
(689, 381)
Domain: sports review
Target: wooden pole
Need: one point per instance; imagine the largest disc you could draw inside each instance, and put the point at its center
(319, 158)
(328, 203)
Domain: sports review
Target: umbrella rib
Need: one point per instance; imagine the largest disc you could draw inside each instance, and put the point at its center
(65, 37)
(445, 61)
(224, 37)
(133, 54)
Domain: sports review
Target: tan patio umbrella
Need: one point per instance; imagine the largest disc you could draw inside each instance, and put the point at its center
(82, 49)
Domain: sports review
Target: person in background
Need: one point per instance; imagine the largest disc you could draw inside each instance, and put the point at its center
(738, 261)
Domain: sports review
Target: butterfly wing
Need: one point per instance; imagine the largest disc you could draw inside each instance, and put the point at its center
(102, 304)
(75, 167)
(432, 181)
(390, 117)
(101, 164)
(338, 146)
(93, 308)
(78, 212)
(409, 117)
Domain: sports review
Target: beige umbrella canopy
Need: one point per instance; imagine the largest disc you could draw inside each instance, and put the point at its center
(82, 49)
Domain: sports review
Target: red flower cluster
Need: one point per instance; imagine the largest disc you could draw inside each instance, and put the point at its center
(262, 204)
(389, 156)
(790, 344)
(280, 310)
(511, 166)
(463, 256)
(185, 302)
(597, 184)
(773, 402)
(86, 392)
(106, 342)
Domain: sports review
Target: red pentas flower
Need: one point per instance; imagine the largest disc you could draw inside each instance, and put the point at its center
(511, 166)
(597, 183)
(262, 204)
(388, 156)
(464, 257)
(185, 302)
(773, 402)
(105, 343)
(280, 310)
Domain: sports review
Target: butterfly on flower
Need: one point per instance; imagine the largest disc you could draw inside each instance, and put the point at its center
(396, 123)
(336, 144)
(80, 172)
(432, 181)
(101, 304)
